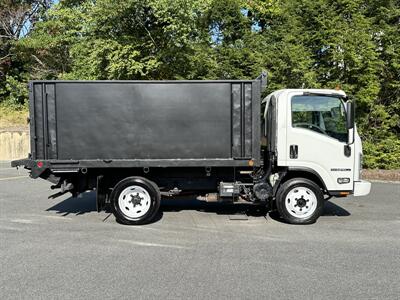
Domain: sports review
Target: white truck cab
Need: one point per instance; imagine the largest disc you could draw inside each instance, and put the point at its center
(315, 134)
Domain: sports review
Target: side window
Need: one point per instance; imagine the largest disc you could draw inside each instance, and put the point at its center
(323, 114)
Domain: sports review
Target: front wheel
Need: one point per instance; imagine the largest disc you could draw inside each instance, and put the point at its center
(300, 201)
(135, 201)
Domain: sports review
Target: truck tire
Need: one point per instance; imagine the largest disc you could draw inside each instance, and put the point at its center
(135, 201)
(300, 201)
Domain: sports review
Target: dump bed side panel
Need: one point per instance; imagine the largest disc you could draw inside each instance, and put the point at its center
(90, 120)
(143, 121)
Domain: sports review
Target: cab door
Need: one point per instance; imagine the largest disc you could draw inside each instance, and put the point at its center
(317, 138)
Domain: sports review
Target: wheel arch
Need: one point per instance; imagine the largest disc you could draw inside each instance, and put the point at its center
(306, 173)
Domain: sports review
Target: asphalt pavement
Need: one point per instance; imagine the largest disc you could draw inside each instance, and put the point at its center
(63, 249)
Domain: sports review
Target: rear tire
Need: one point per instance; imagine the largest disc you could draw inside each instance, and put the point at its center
(135, 201)
(300, 201)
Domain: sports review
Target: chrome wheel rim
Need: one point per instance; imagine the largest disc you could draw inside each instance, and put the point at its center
(134, 201)
(301, 202)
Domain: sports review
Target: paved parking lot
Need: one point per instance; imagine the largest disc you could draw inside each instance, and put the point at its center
(63, 248)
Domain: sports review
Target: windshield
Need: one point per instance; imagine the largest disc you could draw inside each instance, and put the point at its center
(323, 114)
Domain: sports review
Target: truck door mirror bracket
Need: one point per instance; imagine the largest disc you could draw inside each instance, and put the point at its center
(347, 150)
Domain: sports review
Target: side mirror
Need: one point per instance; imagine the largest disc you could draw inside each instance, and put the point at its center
(350, 114)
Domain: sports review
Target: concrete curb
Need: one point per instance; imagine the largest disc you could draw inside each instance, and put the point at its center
(5, 164)
(383, 181)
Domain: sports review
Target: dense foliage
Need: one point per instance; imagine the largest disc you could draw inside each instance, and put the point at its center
(353, 44)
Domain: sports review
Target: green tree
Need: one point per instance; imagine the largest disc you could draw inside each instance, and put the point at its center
(346, 43)
(308, 43)
(118, 40)
(17, 18)
(382, 122)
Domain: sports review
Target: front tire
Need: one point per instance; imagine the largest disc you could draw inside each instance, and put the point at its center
(300, 201)
(135, 201)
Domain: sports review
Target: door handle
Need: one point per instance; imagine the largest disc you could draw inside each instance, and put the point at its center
(294, 151)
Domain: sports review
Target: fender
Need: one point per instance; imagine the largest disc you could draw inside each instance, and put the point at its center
(307, 170)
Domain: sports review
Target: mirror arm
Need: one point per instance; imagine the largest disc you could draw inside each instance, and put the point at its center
(353, 140)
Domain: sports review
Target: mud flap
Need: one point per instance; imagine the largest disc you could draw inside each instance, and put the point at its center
(101, 193)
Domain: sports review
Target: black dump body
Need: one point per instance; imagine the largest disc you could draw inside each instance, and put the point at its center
(100, 124)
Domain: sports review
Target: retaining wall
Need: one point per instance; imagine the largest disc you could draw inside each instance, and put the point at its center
(14, 144)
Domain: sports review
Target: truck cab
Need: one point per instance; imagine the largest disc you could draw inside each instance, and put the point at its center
(310, 134)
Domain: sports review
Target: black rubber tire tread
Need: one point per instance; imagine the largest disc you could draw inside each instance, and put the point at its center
(154, 193)
(284, 190)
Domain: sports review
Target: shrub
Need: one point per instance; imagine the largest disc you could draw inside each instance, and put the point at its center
(14, 93)
(382, 155)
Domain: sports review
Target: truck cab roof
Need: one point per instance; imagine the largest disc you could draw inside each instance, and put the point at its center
(312, 91)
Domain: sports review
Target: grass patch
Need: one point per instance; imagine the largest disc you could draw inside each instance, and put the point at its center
(11, 118)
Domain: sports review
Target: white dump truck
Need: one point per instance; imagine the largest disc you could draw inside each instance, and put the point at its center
(135, 141)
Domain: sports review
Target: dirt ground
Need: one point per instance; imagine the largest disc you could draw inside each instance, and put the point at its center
(387, 175)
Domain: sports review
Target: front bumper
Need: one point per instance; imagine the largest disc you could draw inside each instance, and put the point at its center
(362, 188)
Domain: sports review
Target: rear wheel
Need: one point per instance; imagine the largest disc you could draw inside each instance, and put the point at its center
(135, 201)
(300, 201)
